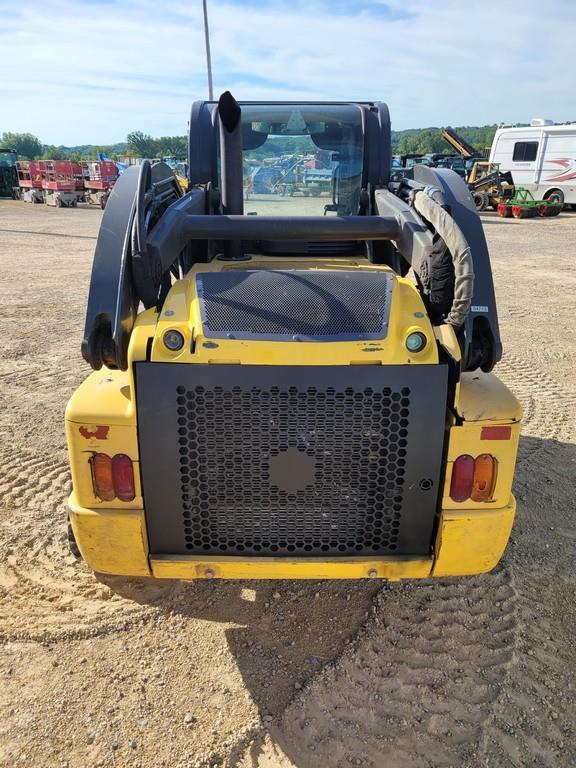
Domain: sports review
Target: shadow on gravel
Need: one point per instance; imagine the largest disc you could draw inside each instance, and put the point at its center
(419, 666)
(282, 632)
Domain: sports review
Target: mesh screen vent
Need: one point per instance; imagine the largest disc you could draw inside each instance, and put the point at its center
(303, 471)
(270, 304)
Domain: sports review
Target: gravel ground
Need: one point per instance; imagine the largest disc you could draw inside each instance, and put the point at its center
(454, 672)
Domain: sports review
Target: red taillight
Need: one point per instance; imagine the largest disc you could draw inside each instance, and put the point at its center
(113, 477)
(473, 478)
(462, 477)
(123, 476)
(102, 476)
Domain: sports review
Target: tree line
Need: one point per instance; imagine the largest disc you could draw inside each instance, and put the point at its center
(138, 144)
(422, 141)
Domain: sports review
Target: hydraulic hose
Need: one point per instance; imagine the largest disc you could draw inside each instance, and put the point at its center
(459, 250)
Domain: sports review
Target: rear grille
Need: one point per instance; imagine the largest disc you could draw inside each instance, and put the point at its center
(304, 471)
(271, 304)
(290, 461)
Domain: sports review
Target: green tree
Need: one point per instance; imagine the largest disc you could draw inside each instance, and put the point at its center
(172, 146)
(25, 144)
(421, 142)
(51, 152)
(142, 144)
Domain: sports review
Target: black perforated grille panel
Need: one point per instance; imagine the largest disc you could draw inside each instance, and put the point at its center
(300, 471)
(293, 461)
(271, 304)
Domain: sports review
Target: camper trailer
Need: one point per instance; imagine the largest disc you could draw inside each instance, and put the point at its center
(541, 158)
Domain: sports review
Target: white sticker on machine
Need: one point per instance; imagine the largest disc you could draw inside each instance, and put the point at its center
(479, 309)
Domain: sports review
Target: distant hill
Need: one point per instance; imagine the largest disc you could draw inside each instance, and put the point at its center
(411, 140)
(84, 151)
(424, 140)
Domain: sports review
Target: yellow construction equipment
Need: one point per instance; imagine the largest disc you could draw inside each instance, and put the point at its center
(272, 397)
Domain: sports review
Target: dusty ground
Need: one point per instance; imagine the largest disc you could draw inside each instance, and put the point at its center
(464, 673)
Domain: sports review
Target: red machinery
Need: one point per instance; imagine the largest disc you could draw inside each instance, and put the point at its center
(78, 173)
(58, 183)
(29, 182)
(99, 178)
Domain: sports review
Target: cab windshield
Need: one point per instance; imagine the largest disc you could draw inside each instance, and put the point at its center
(7, 158)
(302, 160)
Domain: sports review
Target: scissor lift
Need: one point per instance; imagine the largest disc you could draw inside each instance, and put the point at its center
(99, 178)
(29, 182)
(58, 183)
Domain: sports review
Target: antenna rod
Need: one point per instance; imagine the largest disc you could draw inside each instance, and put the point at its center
(208, 57)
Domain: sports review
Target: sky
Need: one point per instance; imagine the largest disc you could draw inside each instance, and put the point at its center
(90, 71)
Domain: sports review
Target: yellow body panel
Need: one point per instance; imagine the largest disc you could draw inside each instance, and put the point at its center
(101, 417)
(181, 311)
(104, 395)
(112, 541)
(446, 336)
(472, 541)
(392, 568)
(466, 439)
(483, 400)
(483, 397)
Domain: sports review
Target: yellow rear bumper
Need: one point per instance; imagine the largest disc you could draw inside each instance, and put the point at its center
(114, 541)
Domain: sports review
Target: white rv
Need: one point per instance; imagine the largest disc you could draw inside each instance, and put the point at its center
(541, 158)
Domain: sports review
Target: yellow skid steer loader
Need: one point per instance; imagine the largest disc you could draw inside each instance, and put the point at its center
(272, 397)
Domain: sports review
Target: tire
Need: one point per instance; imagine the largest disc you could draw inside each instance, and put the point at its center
(549, 210)
(555, 196)
(517, 211)
(480, 200)
(504, 211)
(72, 545)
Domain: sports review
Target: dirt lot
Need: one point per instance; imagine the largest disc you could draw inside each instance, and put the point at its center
(464, 673)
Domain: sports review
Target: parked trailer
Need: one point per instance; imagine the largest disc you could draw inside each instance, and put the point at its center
(58, 183)
(541, 158)
(99, 178)
(29, 187)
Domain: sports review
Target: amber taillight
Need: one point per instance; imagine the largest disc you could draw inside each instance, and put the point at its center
(484, 477)
(102, 476)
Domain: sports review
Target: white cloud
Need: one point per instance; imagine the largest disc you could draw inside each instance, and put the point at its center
(90, 72)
